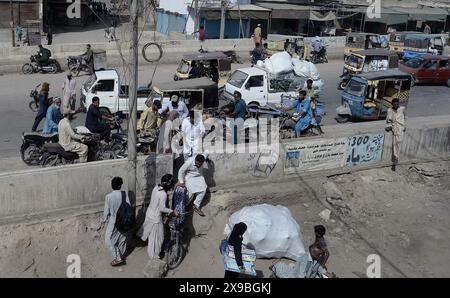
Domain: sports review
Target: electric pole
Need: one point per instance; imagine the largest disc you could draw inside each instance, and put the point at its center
(12, 23)
(132, 108)
(222, 18)
(196, 17)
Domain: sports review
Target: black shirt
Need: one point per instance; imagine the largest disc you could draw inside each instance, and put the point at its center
(93, 117)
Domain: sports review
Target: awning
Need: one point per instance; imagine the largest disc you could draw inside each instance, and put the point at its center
(246, 11)
(317, 16)
(286, 11)
(389, 17)
(424, 13)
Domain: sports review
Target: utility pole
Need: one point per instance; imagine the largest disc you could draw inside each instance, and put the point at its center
(12, 23)
(132, 108)
(222, 18)
(196, 16)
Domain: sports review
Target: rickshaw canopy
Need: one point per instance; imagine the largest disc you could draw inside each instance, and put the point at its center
(383, 75)
(205, 56)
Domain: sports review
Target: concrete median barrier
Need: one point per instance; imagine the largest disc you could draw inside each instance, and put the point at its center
(341, 148)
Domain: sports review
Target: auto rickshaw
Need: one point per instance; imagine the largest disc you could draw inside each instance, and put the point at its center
(297, 47)
(366, 61)
(363, 41)
(199, 94)
(418, 45)
(222, 61)
(368, 96)
(397, 41)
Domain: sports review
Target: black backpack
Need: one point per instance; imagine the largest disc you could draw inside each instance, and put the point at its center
(125, 218)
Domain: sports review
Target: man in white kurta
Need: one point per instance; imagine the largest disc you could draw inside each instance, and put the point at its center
(395, 123)
(67, 137)
(69, 93)
(115, 240)
(153, 224)
(192, 130)
(190, 176)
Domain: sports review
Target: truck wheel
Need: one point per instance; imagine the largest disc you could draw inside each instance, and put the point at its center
(448, 82)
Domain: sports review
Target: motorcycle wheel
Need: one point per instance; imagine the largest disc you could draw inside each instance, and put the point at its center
(174, 254)
(31, 154)
(27, 68)
(33, 105)
(343, 84)
(53, 68)
(52, 161)
(119, 150)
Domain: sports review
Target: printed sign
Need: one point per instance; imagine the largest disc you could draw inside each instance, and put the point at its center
(365, 149)
(316, 155)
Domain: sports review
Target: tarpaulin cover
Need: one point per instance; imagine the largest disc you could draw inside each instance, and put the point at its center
(271, 231)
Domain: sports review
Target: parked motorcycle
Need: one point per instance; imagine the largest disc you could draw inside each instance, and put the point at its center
(31, 150)
(52, 66)
(320, 57)
(75, 65)
(144, 145)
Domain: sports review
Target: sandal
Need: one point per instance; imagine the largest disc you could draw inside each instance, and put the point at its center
(116, 263)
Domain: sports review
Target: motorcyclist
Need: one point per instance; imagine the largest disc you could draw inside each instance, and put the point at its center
(259, 53)
(88, 58)
(318, 47)
(303, 114)
(43, 56)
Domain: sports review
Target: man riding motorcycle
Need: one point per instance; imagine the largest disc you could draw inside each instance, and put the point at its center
(318, 47)
(303, 114)
(258, 53)
(43, 56)
(68, 138)
(88, 58)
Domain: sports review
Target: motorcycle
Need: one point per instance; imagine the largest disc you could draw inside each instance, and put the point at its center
(55, 154)
(75, 65)
(320, 57)
(34, 104)
(52, 66)
(31, 150)
(144, 144)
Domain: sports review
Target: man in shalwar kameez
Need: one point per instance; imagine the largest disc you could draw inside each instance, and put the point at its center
(395, 122)
(115, 240)
(153, 228)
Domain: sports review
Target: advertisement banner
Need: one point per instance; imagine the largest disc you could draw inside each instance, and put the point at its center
(365, 149)
(315, 155)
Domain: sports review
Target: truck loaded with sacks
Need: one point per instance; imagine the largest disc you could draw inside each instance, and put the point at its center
(271, 80)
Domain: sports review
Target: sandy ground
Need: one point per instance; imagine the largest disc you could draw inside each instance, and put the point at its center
(402, 216)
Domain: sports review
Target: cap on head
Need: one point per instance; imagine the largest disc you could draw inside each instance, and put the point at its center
(166, 180)
(66, 111)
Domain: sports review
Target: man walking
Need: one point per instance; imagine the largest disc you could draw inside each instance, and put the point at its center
(395, 123)
(153, 228)
(257, 37)
(115, 240)
(69, 92)
(53, 117)
(190, 176)
(238, 114)
(43, 105)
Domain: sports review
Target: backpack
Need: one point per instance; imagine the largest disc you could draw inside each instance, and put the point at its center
(125, 218)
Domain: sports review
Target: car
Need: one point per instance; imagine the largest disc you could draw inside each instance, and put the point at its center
(428, 69)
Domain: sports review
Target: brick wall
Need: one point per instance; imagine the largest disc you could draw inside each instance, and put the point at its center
(24, 11)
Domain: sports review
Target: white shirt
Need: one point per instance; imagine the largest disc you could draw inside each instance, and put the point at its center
(181, 109)
(192, 176)
(192, 136)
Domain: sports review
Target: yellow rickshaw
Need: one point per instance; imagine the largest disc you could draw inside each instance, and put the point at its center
(367, 61)
(222, 61)
(363, 41)
(397, 41)
(297, 47)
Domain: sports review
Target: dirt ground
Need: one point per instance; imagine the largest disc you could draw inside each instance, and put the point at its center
(402, 216)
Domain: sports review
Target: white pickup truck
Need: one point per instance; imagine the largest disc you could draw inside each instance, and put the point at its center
(259, 87)
(105, 84)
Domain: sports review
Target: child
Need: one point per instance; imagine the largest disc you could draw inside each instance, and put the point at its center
(319, 231)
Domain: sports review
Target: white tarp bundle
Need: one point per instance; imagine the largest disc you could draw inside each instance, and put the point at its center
(271, 231)
(281, 62)
(305, 69)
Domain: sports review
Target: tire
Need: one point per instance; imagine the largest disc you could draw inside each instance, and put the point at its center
(118, 150)
(174, 254)
(341, 119)
(448, 82)
(52, 161)
(30, 155)
(33, 105)
(54, 68)
(413, 81)
(343, 84)
(27, 68)
(158, 49)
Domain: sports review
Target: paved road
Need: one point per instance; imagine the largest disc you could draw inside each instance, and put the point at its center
(15, 116)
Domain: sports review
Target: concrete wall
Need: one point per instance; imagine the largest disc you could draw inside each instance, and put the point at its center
(12, 59)
(51, 189)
